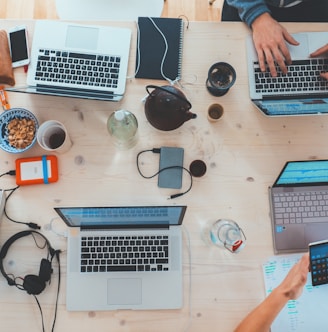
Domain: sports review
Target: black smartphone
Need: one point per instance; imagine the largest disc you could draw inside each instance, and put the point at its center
(319, 262)
(172, 177)
(18, 45)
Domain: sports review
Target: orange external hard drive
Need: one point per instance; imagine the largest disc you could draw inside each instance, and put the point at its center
(36, 170)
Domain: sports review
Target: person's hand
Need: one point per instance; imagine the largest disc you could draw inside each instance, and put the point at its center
(322, 51)
(270, 43)
(292, 285)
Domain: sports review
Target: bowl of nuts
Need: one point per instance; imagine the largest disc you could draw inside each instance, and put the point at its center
(18, 128)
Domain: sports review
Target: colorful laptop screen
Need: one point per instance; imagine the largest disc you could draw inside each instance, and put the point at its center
(122, 216)
(304, 172)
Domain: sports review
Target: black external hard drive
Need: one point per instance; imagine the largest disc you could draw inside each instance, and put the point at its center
(172, 177)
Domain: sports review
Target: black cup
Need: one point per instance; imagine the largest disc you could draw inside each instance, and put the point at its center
(221, 77)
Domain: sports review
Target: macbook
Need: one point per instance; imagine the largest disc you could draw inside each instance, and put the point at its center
(299, 92)
(124, 257)
(83, 61)
(299, 205)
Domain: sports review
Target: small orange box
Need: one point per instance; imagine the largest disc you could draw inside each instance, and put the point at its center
(36, 170)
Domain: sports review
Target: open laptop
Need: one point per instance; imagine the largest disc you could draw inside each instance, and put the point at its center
(299, 205)
(83, 61)
(124, 257)
(301, 91)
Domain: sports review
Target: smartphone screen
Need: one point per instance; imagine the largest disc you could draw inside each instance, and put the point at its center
(18, 47)
(319, 262)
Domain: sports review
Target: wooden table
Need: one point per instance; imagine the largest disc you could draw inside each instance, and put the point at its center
(244, 153)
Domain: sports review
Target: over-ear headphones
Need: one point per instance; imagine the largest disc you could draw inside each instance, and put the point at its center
(32, 284)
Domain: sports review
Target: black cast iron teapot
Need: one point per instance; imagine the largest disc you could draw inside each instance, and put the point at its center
(167, 108)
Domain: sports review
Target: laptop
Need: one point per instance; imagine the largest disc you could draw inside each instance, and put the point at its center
(82, 61)
(299, 205)
(301, 91)
(126, 257)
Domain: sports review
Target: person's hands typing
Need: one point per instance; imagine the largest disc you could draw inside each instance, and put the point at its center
(270, 39)
(322, 51)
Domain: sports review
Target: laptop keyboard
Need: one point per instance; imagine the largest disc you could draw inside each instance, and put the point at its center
(77, 69)
(125, 253)
(299, 207)
(302, 75)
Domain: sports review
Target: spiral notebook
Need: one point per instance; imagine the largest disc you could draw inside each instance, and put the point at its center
(158, 57)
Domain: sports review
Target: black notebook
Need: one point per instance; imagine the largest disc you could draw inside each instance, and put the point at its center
(151, 48)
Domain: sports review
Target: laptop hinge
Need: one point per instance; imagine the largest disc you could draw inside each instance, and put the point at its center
(71, 92)
(124, 227)
(289, 96)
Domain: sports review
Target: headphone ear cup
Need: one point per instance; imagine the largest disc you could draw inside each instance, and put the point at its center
(33, 284)
(45, 270)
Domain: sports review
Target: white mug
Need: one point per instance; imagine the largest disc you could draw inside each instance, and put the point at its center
(52, 136)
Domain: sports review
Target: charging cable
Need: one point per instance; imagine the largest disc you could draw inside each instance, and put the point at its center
(12, 190)
(158, 150)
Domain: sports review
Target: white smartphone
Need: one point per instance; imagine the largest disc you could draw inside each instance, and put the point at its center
(18, 45)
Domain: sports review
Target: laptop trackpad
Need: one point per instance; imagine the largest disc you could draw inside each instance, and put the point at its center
(124, 291)
(316, 232)
(300, 51)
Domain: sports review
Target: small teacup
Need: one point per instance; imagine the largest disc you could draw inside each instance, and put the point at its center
(215, 112)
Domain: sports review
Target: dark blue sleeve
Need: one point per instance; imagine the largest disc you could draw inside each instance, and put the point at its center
(249, 10)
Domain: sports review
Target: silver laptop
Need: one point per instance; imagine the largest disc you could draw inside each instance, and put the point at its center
(299, 205)
(301, 91)
(124, 257)
(83, 61)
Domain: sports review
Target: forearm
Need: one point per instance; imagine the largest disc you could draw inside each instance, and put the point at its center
(249, 10)
(261, 318)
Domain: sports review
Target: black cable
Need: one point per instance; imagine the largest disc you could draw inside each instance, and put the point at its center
(37, 301)
(57, 254)
(29, 224)
(12, 173)
(12, 190)
(158, 150)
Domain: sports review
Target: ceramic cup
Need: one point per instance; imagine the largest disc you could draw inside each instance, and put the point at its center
(52, 136)
(221, 77)
(215, 112)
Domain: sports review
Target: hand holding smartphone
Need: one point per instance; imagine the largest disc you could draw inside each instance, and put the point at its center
(18, 45)
(319, 262)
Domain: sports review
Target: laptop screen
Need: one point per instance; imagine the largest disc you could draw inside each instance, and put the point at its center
(299, 106)
(124, 216)
(303, 172)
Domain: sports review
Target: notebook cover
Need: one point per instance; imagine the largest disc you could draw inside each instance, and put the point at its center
(151, 48)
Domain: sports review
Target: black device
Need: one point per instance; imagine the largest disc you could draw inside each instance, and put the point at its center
(319, 262)
(171, 162)
(18, 45)
(32, 284)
